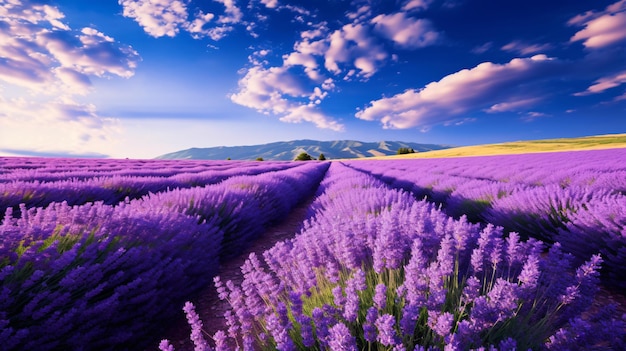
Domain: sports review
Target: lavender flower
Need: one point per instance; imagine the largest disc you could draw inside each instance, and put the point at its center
(165, 345)
(306, 331)
(380, 296)
(221, 341)
(279, 332)
(341, 339)
(358, 280)
(338, 297)
(386, 331)
(351, 307)
(196, 328)
(440, 323)
(410, 313)
(369, 330)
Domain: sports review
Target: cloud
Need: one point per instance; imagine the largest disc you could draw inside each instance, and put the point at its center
(62, 125)
(533, 115)
(605, 83)
(270, 4)
(603, 28)
(405, 31)
(353, 46)
(416, 5)
(481, 49)
(157, 17)
(44, 55)
(282, 92)
(61, 154)
(161, 18)
(524, 48)
(457, 93)
(514, 105)
(46, 63)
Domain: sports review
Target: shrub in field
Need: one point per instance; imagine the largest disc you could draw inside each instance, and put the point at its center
(387, 272)
(303, 156)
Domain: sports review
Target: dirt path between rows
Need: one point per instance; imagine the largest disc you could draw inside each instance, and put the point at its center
(208, 306)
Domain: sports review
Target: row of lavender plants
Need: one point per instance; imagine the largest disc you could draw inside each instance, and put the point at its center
(112, 188)
(53, 169)
(580, 200)
(106, 277)
(375, 269)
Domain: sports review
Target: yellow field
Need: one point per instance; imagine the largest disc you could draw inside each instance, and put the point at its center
(610, 141)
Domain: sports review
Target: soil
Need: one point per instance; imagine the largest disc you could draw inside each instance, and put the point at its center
(208, 306)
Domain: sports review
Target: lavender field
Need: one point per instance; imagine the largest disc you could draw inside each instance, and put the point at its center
(493, 253)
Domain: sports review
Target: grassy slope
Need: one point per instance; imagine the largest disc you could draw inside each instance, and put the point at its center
(611, 141)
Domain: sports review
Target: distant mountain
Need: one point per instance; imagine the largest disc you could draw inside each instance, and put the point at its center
(288, 150)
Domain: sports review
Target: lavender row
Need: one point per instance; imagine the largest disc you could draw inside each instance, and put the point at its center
(112, 189)
(595, 168)
(553, 212)
(268, 199)
(55, 169)
(401, 275)
(109, 277)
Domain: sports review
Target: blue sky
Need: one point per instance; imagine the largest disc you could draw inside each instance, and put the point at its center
(139, 78)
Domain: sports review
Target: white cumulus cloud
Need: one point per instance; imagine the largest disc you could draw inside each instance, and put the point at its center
(157, 17)
(161, 18)
(525, 48)
(353, 46)
(603, 28)
(461, 92)
(46, 63)
(280, 92)
(405, 31)
(605, 83)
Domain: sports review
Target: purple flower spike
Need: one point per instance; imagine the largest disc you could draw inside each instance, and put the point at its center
(351, 308)
(306, 331)
(221, 341)
(380, 297)
(386, 331)
(508, 345)
(369, 330)
(196, 328)
(409, 319)
(338, 298)
(359, 280)
(341, 339)
(279, 332)
(165, 345)
(440, 323)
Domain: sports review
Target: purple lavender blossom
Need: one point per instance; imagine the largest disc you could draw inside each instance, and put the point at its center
(410, 313)
(194, 321)
(341, 339)
(221, 341)
(351, 307)
(380, 296)
(306, 331)
(440, 323)
(369, 329)
(358, 280)
(386, 332)
(279, 332)
(165, 345)
(338, 297)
